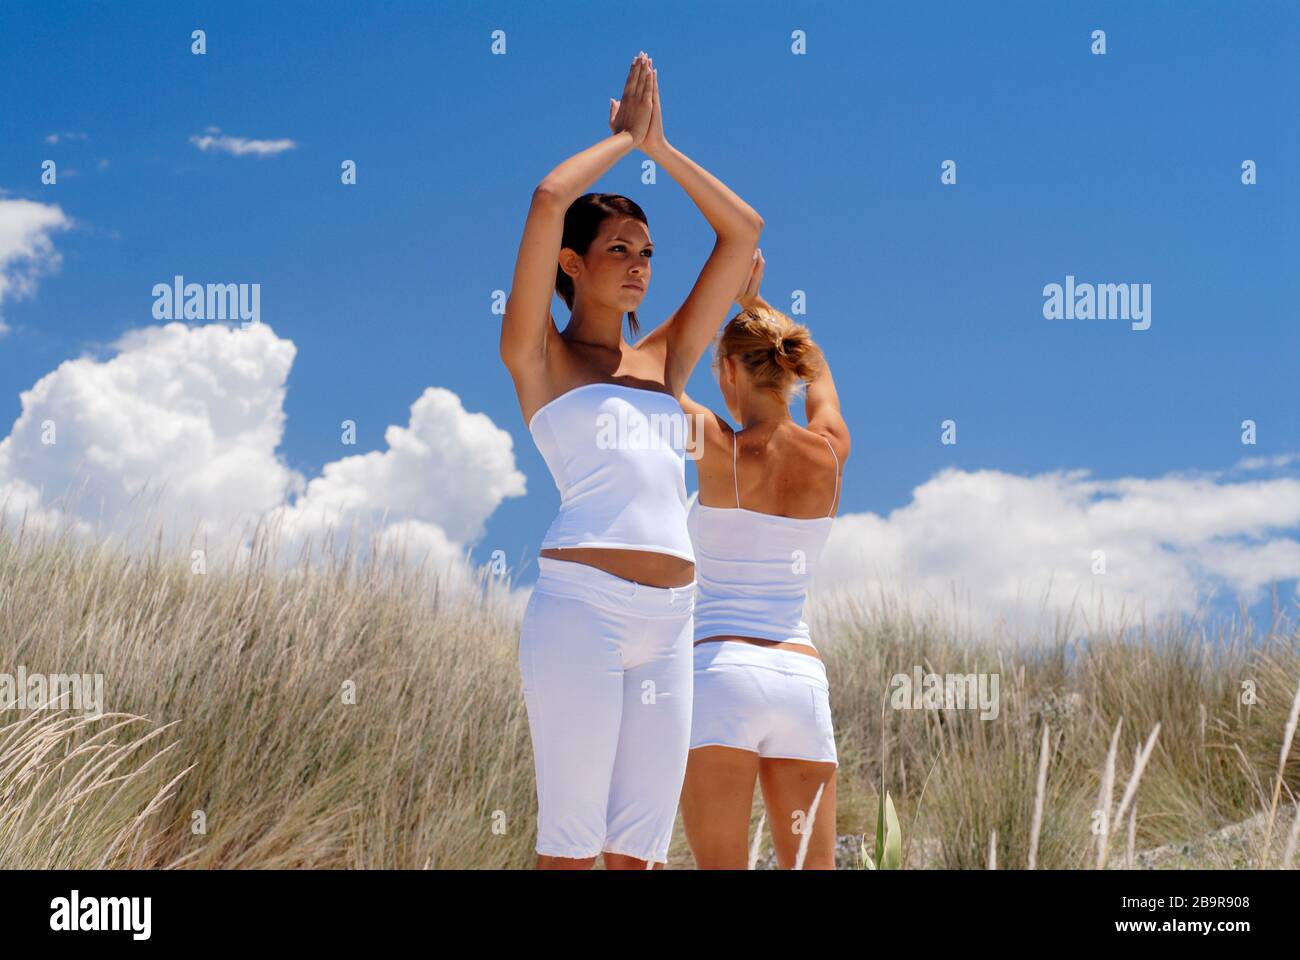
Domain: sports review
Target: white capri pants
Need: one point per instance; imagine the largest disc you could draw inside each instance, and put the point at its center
(772, 702)
(606, 667)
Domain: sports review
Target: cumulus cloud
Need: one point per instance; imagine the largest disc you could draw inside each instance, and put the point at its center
(432, 489)
(181, 427)
(1012, 548)
(214, 139)
(26, 250)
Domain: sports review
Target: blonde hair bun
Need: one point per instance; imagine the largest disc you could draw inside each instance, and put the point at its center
(779, 354)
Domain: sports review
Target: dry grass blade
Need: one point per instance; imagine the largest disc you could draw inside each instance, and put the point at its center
(757, 843)
(1041, 787)
(1287, 738)
(805, 835)
(1107, 795)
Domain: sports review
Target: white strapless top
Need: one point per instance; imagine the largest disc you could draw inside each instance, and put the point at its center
(617, 455)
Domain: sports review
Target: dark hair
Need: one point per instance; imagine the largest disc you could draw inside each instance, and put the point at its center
(582, 223)
(778, 353)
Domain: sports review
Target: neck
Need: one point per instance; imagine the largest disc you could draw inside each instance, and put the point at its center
(595, 324)
(758, 408)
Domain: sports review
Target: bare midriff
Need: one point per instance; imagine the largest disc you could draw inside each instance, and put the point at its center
(778, 644)
(639, 566)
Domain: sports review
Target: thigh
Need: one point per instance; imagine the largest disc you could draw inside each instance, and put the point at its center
(653, 739)
(789, 790)
(717, 798)
(573, 690)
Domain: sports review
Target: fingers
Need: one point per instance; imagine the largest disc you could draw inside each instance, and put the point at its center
(642, 87)
(633, 72)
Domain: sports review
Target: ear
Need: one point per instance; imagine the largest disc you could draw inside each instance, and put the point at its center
(570, 262)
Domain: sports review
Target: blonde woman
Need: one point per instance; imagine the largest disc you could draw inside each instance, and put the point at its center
(605, 648)
(767, 495)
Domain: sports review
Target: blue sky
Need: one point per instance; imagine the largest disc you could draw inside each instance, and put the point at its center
(1122, 168)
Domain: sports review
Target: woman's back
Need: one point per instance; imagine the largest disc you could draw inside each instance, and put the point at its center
(756, 554)
(786, 470)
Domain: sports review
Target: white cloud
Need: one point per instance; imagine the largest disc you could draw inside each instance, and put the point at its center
(1012, 546)
(438, 481)
(26, 251)
(54, 138)
(1276, 462)
(182, 424)
(241, 146)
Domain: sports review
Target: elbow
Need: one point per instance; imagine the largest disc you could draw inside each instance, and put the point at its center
(747, 227)
(547, 192)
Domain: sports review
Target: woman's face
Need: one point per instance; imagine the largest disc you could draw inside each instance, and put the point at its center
(616, 267)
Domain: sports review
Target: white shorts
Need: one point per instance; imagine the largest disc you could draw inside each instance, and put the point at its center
(775, 703)
(606, 666)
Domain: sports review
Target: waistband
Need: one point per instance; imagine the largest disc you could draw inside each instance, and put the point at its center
(735, 653)
(581, 581)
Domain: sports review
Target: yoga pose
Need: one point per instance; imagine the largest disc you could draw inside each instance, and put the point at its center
(767, 495)
(605, 648)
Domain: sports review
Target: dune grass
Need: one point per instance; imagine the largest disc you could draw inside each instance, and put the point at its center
(358, 713)
(958, 779)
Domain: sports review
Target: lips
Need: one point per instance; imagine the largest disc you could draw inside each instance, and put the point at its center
(635, 286)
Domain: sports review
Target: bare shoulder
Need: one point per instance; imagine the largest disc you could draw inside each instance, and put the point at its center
(835, 433)
(801, 444)
(715, 430)
(539, 379)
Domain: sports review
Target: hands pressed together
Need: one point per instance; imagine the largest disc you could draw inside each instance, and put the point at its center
(638, 111)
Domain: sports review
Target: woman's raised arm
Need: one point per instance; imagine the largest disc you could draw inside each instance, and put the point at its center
(822, 409)
(687, 333)
(527, 323)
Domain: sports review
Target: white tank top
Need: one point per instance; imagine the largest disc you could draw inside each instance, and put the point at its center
(752, 569)
(617, 455)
